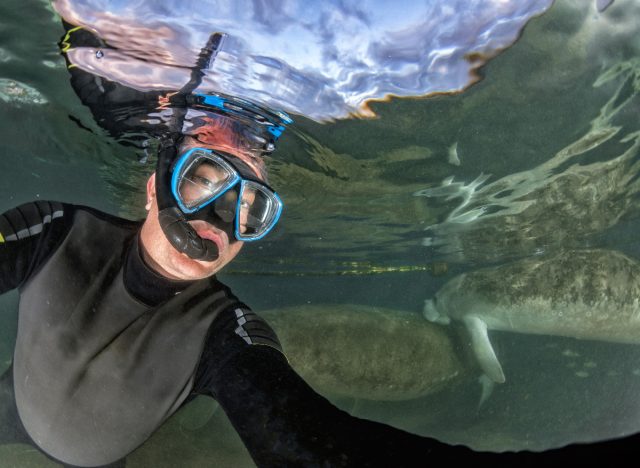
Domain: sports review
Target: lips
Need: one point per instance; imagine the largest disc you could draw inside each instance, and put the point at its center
(210, 234)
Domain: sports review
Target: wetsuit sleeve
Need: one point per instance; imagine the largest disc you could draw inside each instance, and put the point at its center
(28, 234)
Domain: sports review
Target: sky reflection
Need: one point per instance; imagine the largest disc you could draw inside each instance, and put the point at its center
(323, 62)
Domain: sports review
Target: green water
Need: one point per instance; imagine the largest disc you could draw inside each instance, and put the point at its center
(353, 230)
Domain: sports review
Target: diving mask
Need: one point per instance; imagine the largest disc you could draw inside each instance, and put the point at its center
(203, 179)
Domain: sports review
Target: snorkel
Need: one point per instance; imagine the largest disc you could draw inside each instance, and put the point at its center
(175, 226)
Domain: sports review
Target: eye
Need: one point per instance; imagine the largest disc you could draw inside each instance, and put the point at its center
(203, 181)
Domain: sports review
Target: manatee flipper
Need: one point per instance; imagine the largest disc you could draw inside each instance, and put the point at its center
(430, 312)
(482, 348)
(487, 389)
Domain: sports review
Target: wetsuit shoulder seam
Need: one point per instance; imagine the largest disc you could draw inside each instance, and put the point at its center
(64, 214)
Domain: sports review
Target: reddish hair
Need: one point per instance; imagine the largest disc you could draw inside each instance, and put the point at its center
(223, 134)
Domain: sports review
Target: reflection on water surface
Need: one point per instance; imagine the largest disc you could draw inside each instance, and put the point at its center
(323, 62)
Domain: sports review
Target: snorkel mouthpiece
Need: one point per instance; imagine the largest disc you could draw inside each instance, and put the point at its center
(175, 226)
(184, 238)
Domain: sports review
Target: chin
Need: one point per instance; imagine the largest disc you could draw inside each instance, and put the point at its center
(189, 269)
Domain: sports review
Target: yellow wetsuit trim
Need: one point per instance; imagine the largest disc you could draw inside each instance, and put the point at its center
(67, 37)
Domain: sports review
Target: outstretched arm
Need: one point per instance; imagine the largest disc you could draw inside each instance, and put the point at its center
(284, 422)
(28, 234)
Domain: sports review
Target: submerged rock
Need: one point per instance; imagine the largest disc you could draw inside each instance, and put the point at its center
(586, 294)
(366, 352)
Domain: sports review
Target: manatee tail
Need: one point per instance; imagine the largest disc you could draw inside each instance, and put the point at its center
(430, 312)
(482, 348)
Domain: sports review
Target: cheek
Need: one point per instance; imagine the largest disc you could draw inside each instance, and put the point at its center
(234, 249)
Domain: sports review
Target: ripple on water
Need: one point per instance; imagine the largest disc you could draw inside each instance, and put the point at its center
(5, 55)
(14, 92)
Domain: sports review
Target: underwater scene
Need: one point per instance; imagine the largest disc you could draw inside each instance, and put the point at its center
(458, 253)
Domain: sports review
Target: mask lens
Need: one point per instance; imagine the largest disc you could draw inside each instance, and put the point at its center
(259, 210)
(203, 179)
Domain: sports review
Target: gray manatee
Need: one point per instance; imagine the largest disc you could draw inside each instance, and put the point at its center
(366, 352)
(586, 294)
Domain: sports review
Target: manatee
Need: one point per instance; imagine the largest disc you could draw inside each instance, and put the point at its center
(584, 294)
(366, 352)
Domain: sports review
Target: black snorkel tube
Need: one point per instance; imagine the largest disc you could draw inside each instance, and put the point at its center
(175, 226)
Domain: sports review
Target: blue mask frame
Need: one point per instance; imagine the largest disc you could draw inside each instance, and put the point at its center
(237, 177)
